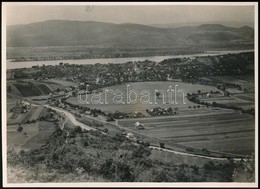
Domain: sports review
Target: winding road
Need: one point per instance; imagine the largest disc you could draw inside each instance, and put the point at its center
(193, 155)
(71, 118)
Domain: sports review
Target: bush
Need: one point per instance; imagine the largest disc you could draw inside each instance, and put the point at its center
(141, 152)
(209, 166)
(189, 150)
(123, 172)
(205, 151)
(105, 130)
(119, 138)
(85, 143)
(181, 177)
(162, 145)
(160, 175)
(78, 129)
(195, 169)
(20, 129)
(110, 119)
(146, 144)
(72, 134)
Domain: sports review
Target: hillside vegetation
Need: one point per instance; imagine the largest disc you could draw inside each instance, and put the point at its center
(74, 33)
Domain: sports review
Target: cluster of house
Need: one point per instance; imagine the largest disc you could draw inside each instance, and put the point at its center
(139, 125)
(158, 111)
(22, 106)
(130, 135)
(56, 102)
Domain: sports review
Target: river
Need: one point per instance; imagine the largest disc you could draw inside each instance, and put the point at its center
(16, 65)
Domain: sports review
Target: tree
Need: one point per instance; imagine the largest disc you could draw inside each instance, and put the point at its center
(123, 172)
(110, 118)
(162, 145)
(195, 169)
(205, 151)
(78, 129)
(20, 129)
(214, 104)
(199, 91)
(181, 177)
(157, 94)
(141, 152)
(9, 88)
(209, 166)
(86, 143)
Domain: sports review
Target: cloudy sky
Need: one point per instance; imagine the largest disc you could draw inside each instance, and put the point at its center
(152, 14)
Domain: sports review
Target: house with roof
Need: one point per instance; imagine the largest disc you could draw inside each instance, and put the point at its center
(139, 126)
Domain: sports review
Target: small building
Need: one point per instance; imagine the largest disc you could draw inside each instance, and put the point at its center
(18, 108)
(62, 93)
(21, 107)
(130, 136)
(139, 126)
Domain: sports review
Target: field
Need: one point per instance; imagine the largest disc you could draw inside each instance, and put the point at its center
(32, 136)
(55, 84)
(29, 87)
(245, 81)
(33, 114)
(244, 97)
(45, 130)
(218, 131)
(239, 100)
(163, 101)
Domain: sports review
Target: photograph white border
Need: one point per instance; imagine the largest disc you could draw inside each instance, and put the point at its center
(128, 184)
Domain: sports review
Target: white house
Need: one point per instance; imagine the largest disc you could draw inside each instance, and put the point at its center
(139, 125)
(130, 136)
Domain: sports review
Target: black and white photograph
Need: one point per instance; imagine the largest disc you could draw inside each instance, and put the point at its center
(130, 94)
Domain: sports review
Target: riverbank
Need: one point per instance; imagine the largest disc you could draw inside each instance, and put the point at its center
(29, 64)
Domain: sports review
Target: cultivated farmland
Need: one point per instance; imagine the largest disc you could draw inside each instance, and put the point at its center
(195, 126)
(32, 136)
(30, 88)
(245, 81)
(218, 131)
(162, 101)
(55, 84)
(238, 100)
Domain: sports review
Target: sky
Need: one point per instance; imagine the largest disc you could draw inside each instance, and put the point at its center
(141, 14)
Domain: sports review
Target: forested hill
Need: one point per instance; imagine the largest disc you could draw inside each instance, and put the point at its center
(75, 33)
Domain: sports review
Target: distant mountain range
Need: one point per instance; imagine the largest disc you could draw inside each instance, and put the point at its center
(75, 33)
(228, 24)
